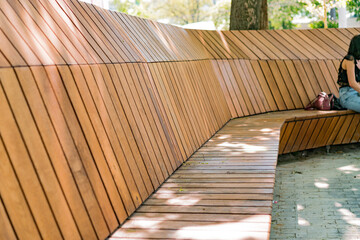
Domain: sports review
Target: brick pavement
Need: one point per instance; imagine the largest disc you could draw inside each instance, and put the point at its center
(318, 195)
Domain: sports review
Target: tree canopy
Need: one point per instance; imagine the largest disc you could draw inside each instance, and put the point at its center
(281, 13)
(354, 7)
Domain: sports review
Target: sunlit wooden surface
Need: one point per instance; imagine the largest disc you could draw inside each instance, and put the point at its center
(225, 190)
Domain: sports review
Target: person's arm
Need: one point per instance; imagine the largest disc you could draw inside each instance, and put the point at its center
(350, 69)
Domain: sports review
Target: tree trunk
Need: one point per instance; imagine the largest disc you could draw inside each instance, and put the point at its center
(248, 15)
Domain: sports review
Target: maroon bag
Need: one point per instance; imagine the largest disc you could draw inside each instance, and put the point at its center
(322, 102)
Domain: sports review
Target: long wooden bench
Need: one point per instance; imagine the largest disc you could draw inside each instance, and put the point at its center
(225, 190)
(99, 108)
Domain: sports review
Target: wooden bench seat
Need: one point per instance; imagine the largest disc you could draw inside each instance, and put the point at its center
(225, 190)
(99, 108)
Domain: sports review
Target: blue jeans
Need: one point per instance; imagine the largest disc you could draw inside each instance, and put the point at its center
(349, 98)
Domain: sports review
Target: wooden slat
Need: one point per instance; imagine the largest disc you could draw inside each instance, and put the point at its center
(17, 221)
(71, 152)
(55, 152)
(23, 166)
(194, 234)
(6, 230)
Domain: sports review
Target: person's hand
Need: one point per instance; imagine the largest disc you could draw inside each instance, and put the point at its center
(358, 64)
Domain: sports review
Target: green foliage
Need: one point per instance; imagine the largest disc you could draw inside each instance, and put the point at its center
(354, 7)
(282, 12)
(320, 24)
(135, 8)
(179, 12)
(220, 14)
(182, 11)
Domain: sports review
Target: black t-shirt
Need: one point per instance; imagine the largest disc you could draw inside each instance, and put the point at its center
(342, 77)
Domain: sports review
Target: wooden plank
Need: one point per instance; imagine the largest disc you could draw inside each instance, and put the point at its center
(157, 117)
(185, 108)
(315, 133)
(327, 134)
(278, 35)
(351, 130)
(312, 83)
(264, 86)
(22, 163)
(320, 140)
(159, 79)
(9, 55)
(356, 135)
(15, 216)
(218, 185)
(131, 129)
(308, 134)
(291, 86)
(253, 87)
(202, 217)
(321, 79)
(240, 45)
(125, 137)
(79, 21)
(245, 96)
(63, 26)
(334, 44)
(335, 130)
(186, 202)
(193, 234)
(221, 176)
(287, 133)
(209, 225)
(218, 180)
(107, 158)
(217, 193)
(274, 88)
(320, 41)
(285, 53)
(268, 49)
(224, 89)
(56, 154)
(46, 36)
(152, 132)
(221, 50)
(43, 166)
(39, 45)
(6, 230)
(82, 145)
(206, 209)
(305, 41)
(174, 105)
(282, 86)
(227, 76)
(292, 140)
(103, 125)
(241, 37)
(95, 31)
(344, 128)
(78, 168)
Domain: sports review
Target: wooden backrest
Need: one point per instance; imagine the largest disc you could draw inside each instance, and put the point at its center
(98, 108)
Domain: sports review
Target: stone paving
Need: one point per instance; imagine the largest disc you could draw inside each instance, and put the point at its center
(318, 195)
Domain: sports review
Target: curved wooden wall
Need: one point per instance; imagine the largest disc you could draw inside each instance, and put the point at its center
(98, 108)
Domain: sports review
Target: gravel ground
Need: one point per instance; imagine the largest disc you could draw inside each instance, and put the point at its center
(317, 194)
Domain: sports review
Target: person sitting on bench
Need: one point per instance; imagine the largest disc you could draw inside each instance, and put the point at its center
(349, 77)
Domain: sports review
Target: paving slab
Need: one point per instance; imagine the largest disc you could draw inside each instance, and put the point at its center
(317, 195)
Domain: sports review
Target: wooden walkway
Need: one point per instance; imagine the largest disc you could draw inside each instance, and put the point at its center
(225, 190)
